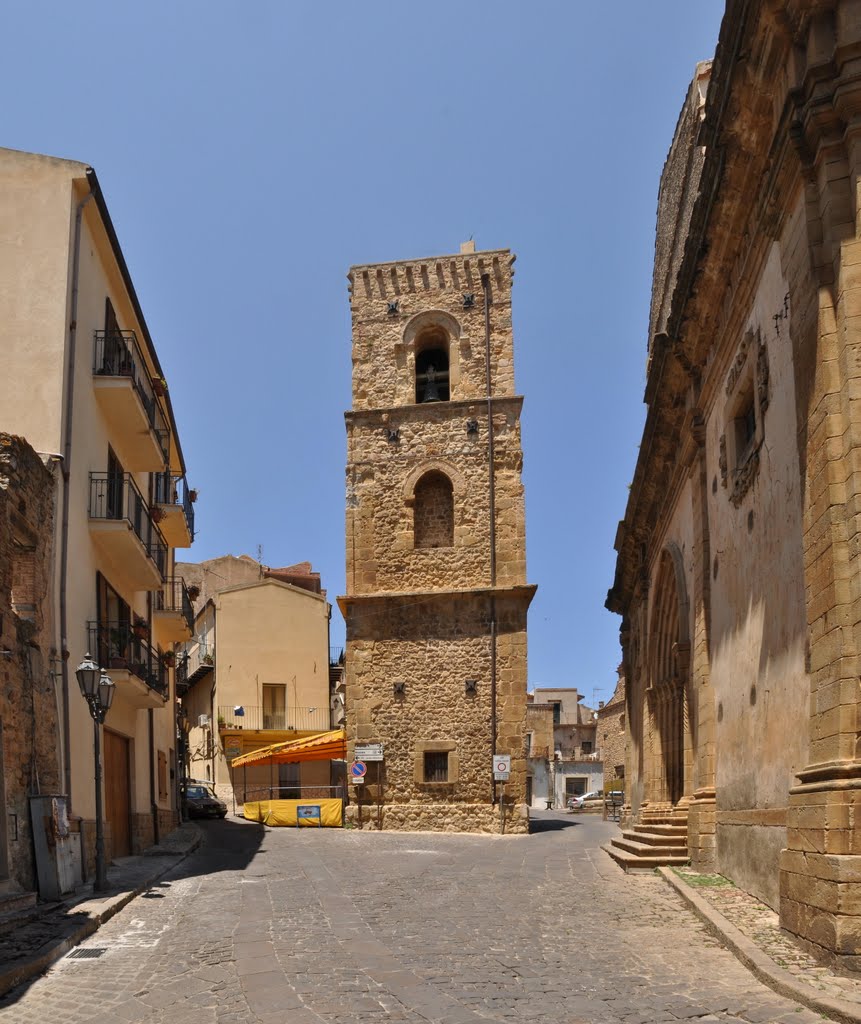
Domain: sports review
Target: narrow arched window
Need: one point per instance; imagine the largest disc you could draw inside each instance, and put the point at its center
(432, 377)
(433, 511)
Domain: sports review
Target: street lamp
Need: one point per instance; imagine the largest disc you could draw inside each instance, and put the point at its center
(97, 689)
(182, 727)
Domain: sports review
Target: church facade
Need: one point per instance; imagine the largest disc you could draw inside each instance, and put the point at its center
(737, 576)
(437, 598)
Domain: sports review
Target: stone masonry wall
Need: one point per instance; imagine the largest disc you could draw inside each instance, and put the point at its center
(420, 616)
(433, 652)
(381, 482)
(383, 342)
(28, 708)
(611, 738)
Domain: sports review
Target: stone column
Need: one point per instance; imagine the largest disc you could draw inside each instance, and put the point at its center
(820, 869)
(701, 812)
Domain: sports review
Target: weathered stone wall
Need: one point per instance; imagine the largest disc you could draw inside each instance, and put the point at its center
(384, 343)
(433, 646)
(418, 613)
(752, 389)
(381, 481)
(28, 704)
(610, 734)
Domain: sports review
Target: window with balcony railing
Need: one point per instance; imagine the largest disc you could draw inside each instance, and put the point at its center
(115, 495)
(117, 353)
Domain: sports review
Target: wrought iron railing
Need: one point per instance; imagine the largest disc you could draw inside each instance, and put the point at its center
(171, 489)
(181, 674)
(173, 597)
(117, 354)
(119, 645)
(232, 716)
(116, 496)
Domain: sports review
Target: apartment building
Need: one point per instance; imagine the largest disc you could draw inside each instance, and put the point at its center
(256, 672)
(80, 379)
(573, 765)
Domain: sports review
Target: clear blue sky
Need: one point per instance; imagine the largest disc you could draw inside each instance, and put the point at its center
(250, 152)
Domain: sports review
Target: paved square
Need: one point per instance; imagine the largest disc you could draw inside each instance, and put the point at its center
(308, 926)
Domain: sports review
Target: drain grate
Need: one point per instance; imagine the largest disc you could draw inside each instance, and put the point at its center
(90, 953)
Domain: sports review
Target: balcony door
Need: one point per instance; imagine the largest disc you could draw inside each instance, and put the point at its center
(114, 632)
(274, 706)
(114, 496)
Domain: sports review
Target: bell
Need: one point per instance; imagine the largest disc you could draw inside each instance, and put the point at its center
(431, 392)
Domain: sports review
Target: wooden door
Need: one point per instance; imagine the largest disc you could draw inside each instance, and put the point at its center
(117, 792)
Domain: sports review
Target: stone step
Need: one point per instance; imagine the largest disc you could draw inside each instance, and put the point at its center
(631, 862)
(649, 849)
(664, 819)
(643, 835)
(662, 830)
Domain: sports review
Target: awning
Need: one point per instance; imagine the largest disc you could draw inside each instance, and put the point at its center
(324, 746)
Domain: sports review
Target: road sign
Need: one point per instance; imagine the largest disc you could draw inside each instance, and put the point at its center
(358, 770)
(501, 767)
(369, 752)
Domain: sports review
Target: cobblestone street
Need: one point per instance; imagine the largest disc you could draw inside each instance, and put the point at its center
(333, 926)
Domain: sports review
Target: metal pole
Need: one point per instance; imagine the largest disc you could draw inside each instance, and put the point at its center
(101, 882)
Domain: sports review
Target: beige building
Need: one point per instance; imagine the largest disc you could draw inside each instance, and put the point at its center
(737, 577)
(81, 381)
(572, 764)
(256, 672)
(436, 596)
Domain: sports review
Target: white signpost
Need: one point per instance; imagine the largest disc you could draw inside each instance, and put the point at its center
(369, 752)
(501, 767)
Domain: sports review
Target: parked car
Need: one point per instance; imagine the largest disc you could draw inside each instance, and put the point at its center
(575, 803)
(201, 802)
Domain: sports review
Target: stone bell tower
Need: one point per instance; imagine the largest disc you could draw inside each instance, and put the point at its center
(436, 596)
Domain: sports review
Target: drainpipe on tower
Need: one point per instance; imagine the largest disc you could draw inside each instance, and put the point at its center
(485, 284)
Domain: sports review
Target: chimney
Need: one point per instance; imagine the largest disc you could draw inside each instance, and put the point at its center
(467, 247)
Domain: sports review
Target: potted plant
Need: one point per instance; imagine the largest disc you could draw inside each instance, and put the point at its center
(221, 723)
(168, 659)
(207, 659)
(156, 513)
(159, 386)
(193, 592)
(192, 494)
(140, 628)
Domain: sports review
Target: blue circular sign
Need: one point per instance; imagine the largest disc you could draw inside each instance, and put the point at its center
(358, 769)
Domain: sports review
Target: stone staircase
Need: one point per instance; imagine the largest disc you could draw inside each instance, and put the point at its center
(660, 839)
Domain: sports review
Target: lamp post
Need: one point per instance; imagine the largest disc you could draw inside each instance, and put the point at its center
(182, 727)
(97, 689)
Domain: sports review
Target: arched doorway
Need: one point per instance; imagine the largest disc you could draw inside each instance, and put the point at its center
(668, 689)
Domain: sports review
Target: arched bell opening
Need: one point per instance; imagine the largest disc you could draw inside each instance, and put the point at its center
(432, 366)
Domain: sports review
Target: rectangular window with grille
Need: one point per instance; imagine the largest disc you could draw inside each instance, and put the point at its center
(436, 766)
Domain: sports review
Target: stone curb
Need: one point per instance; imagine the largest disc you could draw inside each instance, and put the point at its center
(759, 963)
(19, 973)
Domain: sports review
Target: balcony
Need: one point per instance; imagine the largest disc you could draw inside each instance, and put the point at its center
(122, 526)
(180, 676)
(173, 498)
(125, 395)
(132, 663)
(198, 660)
(173, 616)
(281, 720)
